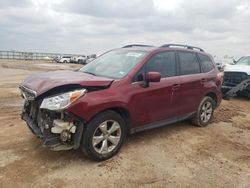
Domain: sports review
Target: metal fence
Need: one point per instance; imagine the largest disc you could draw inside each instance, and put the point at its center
(18, 55)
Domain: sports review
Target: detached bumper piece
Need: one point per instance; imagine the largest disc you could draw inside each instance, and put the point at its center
(230, 92)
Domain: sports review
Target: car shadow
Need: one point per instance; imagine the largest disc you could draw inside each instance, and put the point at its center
(42, 153)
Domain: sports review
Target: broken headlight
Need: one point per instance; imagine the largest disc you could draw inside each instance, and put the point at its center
(60, 102)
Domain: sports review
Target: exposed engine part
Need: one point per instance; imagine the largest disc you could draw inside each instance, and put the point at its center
(46, 126)
(60, 125)
(233, 91)
(65, 135)
(65, 129)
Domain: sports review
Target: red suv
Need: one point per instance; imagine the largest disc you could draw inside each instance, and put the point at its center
(126, 90)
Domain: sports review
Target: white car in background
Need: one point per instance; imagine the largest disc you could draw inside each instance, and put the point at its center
(236, 73)
(64, 59)
(78, 59)
(89, 60)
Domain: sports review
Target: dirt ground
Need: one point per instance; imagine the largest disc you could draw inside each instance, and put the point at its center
(177, 155)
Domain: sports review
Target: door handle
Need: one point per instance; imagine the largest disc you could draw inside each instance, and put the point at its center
(175, 87)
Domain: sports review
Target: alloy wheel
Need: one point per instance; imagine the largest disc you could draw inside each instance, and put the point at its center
(206, 111)
(106, 137)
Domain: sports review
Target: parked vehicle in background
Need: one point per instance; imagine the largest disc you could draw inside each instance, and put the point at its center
(125, 90)
(78, 59)
(92, 56)
(64, 59)
(236, 78)
(56, 59)
(219, 65)
(89, 60)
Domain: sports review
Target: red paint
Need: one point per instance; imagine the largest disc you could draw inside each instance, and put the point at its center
(45, 81)
(153, 77)
(168, 98)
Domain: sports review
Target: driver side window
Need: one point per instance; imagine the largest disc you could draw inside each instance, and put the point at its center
(163, 62)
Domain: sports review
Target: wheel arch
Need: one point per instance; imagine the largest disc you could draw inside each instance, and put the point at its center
(123, 112)
(213, 96)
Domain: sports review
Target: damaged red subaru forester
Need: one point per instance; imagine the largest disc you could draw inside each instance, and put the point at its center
(123, 91)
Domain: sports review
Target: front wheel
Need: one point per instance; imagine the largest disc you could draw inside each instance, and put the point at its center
(205, 112)
(104, 136)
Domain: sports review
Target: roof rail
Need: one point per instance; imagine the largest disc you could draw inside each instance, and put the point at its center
(181, 45)
(136, 45)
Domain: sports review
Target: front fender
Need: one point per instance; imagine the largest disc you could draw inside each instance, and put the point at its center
(93, 103)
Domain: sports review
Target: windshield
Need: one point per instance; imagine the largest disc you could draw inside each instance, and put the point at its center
(244, 61)
(114, 64)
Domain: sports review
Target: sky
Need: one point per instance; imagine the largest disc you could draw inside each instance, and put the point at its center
(220, 27)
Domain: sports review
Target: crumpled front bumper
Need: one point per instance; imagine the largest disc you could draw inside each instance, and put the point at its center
(50, 140)
(32, 126)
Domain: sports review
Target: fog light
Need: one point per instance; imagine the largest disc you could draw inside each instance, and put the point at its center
(65, 135)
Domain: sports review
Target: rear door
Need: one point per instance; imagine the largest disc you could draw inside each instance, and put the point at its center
(209, 71)
(191, 82)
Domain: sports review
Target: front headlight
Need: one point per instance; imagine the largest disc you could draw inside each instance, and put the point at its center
(62, 101)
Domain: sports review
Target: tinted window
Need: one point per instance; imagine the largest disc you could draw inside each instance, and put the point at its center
(188, 63)
(163, 63)
(206, 63)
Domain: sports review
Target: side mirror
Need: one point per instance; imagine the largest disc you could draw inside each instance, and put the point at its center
(151, 77)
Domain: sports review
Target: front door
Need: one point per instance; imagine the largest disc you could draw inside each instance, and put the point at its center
(161, 99)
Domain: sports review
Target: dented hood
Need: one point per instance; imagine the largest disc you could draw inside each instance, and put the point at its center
(42, 82)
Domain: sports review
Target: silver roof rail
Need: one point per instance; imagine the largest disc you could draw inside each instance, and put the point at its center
(181, 45)
(136, 45)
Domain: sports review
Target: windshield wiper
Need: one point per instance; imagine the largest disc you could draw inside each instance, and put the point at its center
(89, 73)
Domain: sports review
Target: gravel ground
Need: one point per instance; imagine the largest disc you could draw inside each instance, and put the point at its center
(177, 155)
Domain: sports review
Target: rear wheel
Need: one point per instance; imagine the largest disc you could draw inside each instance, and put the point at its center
(205, 112)
(64, 61)
(104, 136)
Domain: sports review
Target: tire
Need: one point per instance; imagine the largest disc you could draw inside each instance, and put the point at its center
(204, 113)
(96, 142)
(64, 61)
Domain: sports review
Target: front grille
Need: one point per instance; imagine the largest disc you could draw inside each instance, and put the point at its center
(234, 78)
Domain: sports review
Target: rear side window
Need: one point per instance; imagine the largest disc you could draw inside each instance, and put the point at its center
(188, 63)
(206, 63)
(164, 63)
